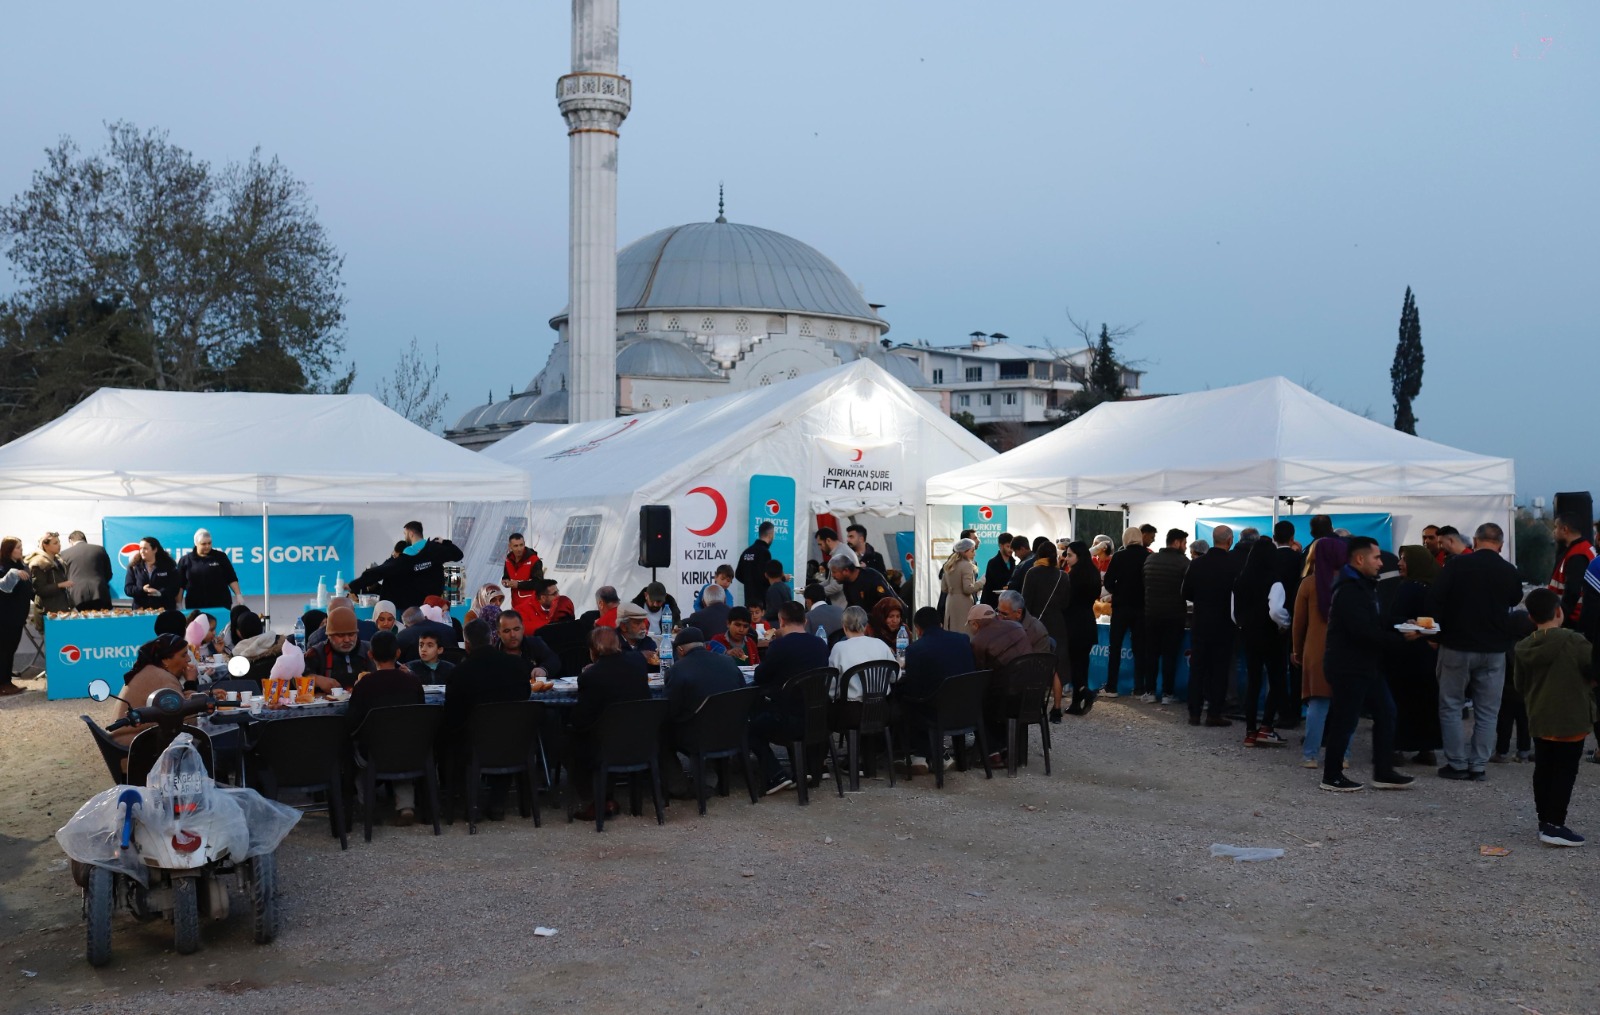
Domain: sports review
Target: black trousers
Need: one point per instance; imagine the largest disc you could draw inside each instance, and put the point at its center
(10, 638)
(1289, 716)
(1353, 691)
(1555, 769)
(1513, 715)
(1264, 663)
(1210, 660)
(1165, 636)
(1130, 623)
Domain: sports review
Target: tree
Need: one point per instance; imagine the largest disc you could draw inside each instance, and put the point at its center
(1102, 381)
(410, 391)
(1405, 376)
(51, 356)
(220, 279)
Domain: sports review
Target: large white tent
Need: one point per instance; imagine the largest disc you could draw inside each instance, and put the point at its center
(1267, 448)
(851, 441)
(124, 452)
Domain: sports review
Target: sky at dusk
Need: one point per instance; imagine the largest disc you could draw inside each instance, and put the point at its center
(1254, 185)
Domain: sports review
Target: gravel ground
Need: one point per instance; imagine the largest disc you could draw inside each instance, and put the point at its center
(1089, 890)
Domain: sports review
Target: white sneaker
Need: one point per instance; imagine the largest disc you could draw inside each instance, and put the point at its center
(1148, 699)
(1170, 699)
(1108, 693)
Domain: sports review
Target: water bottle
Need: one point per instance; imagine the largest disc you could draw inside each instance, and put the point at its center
(664, 651)
(299, 637)
(822, 633)
(322, 592)
(338, 583)
(900, 643)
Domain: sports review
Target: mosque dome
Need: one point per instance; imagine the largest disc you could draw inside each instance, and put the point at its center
(728, 266)
(662, 357)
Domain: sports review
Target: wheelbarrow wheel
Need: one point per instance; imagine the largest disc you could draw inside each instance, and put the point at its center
(185, 915)
(99, 891)
(261, 877)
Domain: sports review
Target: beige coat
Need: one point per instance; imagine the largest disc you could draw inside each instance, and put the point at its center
(144, 683)
(1310, 641)
(961, 587)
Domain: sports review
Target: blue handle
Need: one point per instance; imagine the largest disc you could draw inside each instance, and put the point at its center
(129, 799)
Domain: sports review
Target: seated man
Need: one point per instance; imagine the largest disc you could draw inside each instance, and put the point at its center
(656, 601)
(612, 676)
(712, 617)
(722, 579)
(416, 625)
(697, 674)
(485, 677)
(793, 652)
(548, 606)
(315, 636)
(935, 655)
(606, 602)
(539, 661)
(1011, 608)
(737, 640)
(633, 628)
(343, 655)
(380, 687)
(995, 640)
(430, 666)
(821, 613)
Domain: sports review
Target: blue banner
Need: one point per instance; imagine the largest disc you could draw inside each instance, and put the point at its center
(304, 547)
(988, 521)
(772, 500)
(905, 548)
(80, 649)
(1379, 526)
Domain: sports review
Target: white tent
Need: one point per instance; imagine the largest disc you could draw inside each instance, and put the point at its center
(122, 452)
(1267, 448)
(851, 441)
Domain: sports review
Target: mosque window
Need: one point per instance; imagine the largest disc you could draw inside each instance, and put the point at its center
(673, 325)
(766, 379)
(642, 324)
(666, 403)
(708, 325)
(852, 333)
(805, 327)
(793, 373)
(645, 402)
(742, 326)
(833, 331)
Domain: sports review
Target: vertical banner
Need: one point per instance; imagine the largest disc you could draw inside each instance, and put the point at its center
(772, 500)
(905, 552)
(989, 521)
(705, 534)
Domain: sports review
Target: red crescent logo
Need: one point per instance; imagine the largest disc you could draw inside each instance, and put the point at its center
(857, 458)
(721, 504)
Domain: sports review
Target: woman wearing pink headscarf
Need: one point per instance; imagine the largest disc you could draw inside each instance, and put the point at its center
(1311, 604)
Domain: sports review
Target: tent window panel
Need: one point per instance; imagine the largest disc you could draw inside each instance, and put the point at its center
(463, 529)
(510, 524)
(577, 542)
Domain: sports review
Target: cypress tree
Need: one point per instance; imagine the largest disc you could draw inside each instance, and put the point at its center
(1405, 376)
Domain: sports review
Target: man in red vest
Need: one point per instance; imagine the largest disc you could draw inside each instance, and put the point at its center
(522, 574)
(1574, 552)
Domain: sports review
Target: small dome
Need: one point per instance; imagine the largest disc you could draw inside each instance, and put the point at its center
(662, 357)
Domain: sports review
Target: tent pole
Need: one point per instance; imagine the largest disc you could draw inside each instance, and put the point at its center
(266, 580)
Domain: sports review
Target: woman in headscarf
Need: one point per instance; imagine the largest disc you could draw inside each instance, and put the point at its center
(1312, 602)
(961, 584)
(1260, 610)
(885, 620)
(1413, 681)
(16, 599)
(1045, 591)
(1083, 633)
(162, 663)
(486, 607)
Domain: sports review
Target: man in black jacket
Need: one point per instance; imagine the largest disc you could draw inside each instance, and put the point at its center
(1291, 564)
(997, 575)
(486, 677)
(1208, 584)
(1165, 612)
(1124, 579)
(794, 651)
(1471, 602)
(414, 575)
(855, 537)
(613, 676)
(538, 660)
(752, 569)
(89, 569)
(1358, 639)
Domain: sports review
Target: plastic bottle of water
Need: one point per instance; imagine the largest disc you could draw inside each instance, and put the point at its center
(322, 592)
(299, 637)
(338, 583)
(664, 651)
(900, 643)
(822, 633)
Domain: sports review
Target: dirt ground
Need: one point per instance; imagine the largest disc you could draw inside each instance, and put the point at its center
(1089, 890)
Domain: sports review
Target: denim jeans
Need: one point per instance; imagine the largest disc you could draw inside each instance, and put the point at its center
(1316, 719)
(1480, 676)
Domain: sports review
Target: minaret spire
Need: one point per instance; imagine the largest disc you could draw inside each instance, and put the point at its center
(594, 99)
(720, 216)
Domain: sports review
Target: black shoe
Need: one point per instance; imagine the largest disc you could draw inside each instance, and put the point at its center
(1341, 784)
(1477, 776)
(1392, 780)
(1559, 835)
(1194, 720)
(1218, 721)
(1088, 702)
(1425, 758)
(780, 782)
(1453, 774)
(1055, 716)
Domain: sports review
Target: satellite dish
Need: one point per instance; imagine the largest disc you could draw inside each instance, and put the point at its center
(238, 666)
(99, 690)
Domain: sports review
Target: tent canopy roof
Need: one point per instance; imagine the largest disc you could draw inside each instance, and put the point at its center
(235, 447)
(1266, 439)
(656, 451)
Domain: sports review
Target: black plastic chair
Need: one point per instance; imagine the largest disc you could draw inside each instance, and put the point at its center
(305, 753)
(627, 741)
(955, 710)
(1018, 694)
(568, 639)
(868, 716)
(111, 752)
(804, 700)
(396, 742)
(717, 732)
(503, 739)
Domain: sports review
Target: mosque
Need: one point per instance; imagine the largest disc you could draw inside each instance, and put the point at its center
(687, 313)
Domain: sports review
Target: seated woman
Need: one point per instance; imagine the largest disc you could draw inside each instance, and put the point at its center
(857, 647)
(885, 621)
(162, 663)
(256, 644)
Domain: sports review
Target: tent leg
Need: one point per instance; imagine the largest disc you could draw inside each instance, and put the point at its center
(266, 581)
